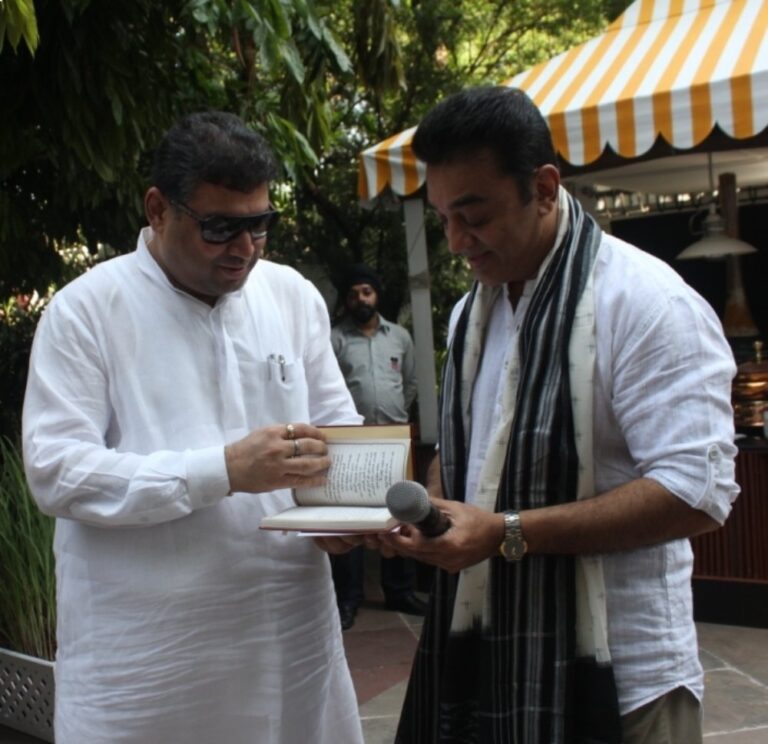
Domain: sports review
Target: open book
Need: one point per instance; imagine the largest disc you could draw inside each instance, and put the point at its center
(365, 462)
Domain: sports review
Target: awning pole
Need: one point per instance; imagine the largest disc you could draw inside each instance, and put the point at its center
(421, 308)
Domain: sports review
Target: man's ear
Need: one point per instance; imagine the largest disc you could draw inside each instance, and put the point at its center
(156, 209)
(546, 186)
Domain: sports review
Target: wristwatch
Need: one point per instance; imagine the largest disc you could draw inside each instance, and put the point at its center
(513, 547)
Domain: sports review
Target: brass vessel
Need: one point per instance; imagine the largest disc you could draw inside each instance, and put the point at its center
(750, 391)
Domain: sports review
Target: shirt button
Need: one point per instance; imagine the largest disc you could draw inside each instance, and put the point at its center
(713, 453)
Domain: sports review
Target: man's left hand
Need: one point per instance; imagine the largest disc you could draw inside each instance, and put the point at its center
(338, 544)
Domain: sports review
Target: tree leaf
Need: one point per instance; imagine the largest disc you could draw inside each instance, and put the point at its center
(290, 56)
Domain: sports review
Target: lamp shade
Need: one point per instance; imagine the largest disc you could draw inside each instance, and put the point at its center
(715, 246)
(715, 243)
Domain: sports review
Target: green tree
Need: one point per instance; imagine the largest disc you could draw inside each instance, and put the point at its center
(81, 116)
(18, 21)
(407, 55)
(84, 104)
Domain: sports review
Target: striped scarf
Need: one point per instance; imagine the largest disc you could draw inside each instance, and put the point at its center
(505, 666)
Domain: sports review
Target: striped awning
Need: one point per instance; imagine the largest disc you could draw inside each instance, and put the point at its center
(673, 69)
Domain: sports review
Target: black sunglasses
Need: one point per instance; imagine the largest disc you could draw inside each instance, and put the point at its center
(220, 228)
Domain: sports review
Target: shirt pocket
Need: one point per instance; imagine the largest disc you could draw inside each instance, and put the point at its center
(274, 391)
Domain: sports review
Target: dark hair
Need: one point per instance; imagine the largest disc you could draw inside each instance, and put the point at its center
(211, 147)
(496, 118)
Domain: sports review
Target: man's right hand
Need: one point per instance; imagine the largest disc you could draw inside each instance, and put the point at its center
(269, 458)
(474, 535)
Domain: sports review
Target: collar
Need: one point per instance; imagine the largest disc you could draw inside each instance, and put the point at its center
(349, 325)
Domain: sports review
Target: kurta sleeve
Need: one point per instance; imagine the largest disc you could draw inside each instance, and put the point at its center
(71, 471)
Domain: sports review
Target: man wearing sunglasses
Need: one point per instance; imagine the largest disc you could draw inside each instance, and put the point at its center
(173, 401)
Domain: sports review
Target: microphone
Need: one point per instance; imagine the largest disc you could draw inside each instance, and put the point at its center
(409, 502)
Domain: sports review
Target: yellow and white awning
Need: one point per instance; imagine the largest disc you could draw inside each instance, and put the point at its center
(673, 69)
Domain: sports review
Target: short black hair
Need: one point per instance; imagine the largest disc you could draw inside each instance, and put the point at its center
(496, 118)
(211, 147)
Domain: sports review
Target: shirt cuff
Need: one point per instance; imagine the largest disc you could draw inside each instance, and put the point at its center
(710, 487)
(207, 477)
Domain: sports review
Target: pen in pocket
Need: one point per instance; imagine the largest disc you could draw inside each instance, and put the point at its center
(278, 359)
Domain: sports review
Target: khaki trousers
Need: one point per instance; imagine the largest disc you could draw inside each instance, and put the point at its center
(674, 718)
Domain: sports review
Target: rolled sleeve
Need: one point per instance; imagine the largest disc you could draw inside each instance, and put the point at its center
(713, 494)
(672, 400)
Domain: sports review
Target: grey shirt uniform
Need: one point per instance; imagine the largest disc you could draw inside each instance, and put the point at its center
(380, 370)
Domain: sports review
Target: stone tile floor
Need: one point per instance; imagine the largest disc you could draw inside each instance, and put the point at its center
(735, 659)
(381, 644)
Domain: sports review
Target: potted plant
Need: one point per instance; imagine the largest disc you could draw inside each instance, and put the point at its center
(27, 603)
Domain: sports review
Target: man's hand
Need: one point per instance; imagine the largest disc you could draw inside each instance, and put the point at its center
(286, 456)
(473, 536)
(338, 544)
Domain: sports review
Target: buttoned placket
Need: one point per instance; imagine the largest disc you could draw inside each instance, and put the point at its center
(233, 418)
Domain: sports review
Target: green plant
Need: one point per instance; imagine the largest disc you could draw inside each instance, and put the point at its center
(27, 573)
(18, 320)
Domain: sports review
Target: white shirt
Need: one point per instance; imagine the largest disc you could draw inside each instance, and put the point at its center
(662, 411)
(178, 619)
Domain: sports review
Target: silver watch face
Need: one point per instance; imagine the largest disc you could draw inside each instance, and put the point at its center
(513, 549)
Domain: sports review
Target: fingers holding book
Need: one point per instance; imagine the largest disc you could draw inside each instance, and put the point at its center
(338, 544)
(306, 465)
(284, 456)
(367, 460)
(294, 433)
(305, 448)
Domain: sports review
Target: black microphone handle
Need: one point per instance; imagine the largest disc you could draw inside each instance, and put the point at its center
(434, 524)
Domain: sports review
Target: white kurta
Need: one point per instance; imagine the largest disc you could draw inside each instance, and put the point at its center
(179, 620)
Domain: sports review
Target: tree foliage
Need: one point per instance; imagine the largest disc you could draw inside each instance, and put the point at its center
(81, 117)
(408, 55)
(18, 21)
(85, 103)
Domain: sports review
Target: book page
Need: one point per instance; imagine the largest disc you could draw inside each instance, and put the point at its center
(361, 472)
(368, 432)
(332, 518)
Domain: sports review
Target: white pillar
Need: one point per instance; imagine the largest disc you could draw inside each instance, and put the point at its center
(421, 309)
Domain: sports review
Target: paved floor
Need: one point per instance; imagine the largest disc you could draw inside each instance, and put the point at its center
(381, 644)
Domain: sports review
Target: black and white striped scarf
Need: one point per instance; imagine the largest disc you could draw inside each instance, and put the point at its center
(513, 676)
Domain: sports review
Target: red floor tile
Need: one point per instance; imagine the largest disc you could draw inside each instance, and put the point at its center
(379, 659)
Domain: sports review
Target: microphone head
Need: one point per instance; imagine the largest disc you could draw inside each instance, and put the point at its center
(408, 501)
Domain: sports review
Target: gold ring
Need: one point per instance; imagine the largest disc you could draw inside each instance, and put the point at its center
(290, 431)
(295, 447)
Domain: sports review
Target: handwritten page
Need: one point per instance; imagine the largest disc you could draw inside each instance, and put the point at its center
(360, 474)
(365, 462)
